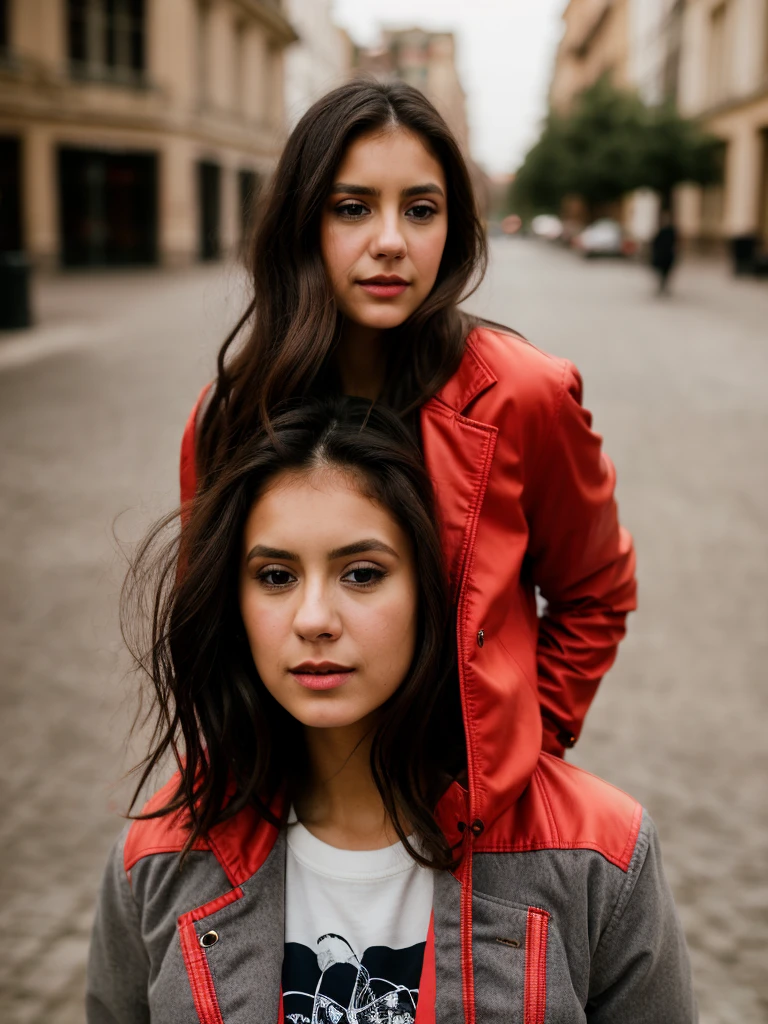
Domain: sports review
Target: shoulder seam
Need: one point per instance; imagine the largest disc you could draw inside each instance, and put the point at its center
(625, 892)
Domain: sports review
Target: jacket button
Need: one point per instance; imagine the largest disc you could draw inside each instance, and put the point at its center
(566, 738)
(461, 826)
(477, 827)
(481, 638)
(209, 939)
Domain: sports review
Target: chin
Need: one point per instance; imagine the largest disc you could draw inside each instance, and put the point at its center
(386, 321)
(326, 714)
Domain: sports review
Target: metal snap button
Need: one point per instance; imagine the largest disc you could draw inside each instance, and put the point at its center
(477, 827)
(209, 939)
(481, 638)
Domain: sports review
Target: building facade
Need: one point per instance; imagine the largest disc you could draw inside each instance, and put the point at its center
(655, 46)
(426, 60)
(724, 84)
(136, 131)
(655, 41)
(321, 60)
(595, 42)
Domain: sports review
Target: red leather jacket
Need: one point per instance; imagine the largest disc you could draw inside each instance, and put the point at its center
(525, 497)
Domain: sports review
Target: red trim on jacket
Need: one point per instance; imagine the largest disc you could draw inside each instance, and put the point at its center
(158, 835)
(566, 808)
(240, 844)
(425, 1007)
(196, 959)
(535, 999)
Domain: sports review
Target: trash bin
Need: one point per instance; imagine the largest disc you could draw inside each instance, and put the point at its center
(743, 251)
(15, 308)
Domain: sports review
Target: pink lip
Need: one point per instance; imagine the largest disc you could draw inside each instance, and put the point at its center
(321, 675)
(329, 681)
(384, 287)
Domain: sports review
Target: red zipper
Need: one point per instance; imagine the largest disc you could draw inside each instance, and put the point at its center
(536, 931)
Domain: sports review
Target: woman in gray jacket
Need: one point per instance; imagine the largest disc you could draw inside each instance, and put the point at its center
(317, 856)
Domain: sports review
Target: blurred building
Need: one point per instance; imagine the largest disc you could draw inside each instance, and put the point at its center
(136, 131)
(724, 83)
(322, 59)
(655, 41)
(655, 46)
(595, 42)
(426, 60)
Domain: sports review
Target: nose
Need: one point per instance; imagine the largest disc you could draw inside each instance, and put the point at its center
(388, 241)
(316, 617)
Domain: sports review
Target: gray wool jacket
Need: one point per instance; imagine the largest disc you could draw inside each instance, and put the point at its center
(558, 914)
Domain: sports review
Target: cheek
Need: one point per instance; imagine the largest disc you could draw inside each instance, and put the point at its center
(265, 627)
(337, 251)
(427, 252)
(389, 640)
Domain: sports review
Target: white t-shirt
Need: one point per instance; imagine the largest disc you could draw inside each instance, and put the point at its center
(356, 924)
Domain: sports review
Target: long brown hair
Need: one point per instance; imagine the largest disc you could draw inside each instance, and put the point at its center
(233, 743)
(292, 320)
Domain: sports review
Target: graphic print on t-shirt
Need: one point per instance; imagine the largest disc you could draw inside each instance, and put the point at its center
(330, 985)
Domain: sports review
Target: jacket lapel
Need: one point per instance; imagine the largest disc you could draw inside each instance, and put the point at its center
(233, 948)
(458, 453)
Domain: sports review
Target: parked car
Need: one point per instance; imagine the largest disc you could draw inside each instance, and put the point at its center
(605, 237)
(547, 226)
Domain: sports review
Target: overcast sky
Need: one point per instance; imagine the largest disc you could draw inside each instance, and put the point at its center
(506, 50)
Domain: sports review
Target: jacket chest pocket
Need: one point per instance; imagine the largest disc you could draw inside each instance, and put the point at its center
(521, 972)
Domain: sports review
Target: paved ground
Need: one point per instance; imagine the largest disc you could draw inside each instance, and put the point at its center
(91, 408)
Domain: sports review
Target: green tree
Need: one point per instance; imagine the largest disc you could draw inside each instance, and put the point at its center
(676, 150)
(612, 144)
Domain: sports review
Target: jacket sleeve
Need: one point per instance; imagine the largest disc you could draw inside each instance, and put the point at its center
(582, 561)
(118, 965)
(640, 969)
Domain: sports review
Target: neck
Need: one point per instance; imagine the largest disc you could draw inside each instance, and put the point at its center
(340, 803)
(361, 360)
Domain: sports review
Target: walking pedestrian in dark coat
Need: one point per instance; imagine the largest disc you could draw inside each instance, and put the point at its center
(664, 251)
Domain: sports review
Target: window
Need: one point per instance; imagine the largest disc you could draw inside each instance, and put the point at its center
(203, 27)
(107, 39)
(719, 64)
(238, 66)
(3, 26)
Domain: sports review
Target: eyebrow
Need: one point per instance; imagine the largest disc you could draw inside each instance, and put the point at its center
(358, 548)
(430, 188)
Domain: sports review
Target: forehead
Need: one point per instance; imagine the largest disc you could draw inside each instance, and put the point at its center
(319, 509)
(394, 158)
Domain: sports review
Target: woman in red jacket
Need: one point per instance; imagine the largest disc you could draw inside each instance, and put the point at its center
(368, 239)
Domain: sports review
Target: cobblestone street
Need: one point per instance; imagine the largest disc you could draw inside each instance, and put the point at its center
(92, 404)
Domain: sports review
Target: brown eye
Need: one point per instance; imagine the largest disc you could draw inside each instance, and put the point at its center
(364, 575)
(275, 579)
(352, 211)
(422, 212)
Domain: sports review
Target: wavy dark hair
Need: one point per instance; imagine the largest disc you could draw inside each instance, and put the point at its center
(233, 743)
(292, 321)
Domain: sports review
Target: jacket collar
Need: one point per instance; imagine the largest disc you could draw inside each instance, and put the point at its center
(472, 378)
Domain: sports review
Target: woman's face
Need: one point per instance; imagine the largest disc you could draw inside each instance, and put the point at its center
(328, 596)
(383, 229)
